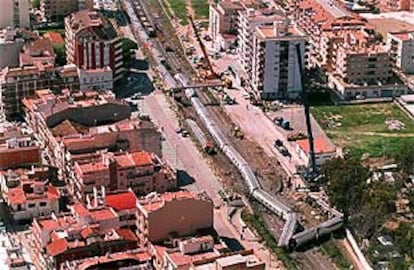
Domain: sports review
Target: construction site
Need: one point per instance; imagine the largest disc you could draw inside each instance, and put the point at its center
(211, 88)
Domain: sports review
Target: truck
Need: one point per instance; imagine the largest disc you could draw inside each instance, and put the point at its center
(278, 144)
(281, 122)
(201, 138)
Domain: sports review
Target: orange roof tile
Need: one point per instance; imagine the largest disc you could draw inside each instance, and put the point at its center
(57, 247)
(80, 209)
(321, 145)
(16, 196)
(121, 201)
(54, 37)
(102, 214)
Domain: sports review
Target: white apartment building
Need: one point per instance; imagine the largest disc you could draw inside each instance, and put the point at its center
(223, 23)
(249, 20)
(96, 79)
(401, 48)
(14, 13)
(275, 72)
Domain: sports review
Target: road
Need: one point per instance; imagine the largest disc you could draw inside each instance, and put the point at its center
(183, 154)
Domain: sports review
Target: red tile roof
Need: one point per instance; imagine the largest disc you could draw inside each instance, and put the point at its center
(57, 247)
(127, 234)
(321, 145)
(134, 159)
(102, 214)
(121, 201)
(54, 37)
(80, 209)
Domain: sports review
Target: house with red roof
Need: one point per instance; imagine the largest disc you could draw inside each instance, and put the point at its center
(140, 171)
(323, 147)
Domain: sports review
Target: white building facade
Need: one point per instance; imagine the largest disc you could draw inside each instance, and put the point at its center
(14, 13)
(275, 72)
(96, 79)
(401, 48)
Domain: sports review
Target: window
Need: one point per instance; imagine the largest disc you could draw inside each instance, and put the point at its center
(43, 204)
(31, 205)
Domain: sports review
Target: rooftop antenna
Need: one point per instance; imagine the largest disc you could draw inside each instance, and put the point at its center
(307, 110)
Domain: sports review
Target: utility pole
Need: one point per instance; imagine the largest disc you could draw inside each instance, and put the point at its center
(307, 109)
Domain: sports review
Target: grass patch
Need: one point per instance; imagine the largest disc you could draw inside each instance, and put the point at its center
(201, 8)
(331, 250)
(179, 9)
(258, 224)
(362, 128)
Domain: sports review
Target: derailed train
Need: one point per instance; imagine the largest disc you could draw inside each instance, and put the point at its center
(253, 185)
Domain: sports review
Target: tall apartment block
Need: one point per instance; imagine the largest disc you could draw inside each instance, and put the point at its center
(14, 13)
(93, 43)
(401, 47)
(275, 72)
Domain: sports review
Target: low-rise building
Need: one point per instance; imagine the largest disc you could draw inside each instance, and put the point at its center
(275, 72)
(17, 147)
(86, 232)
(133, 259)
(96, 79)
(202, 252)
(187, 214)
(401, 48)
(324, 150)
(30, 198)
(39, 51)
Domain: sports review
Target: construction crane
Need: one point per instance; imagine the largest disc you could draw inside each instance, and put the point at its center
(307, 112)
(212, 74)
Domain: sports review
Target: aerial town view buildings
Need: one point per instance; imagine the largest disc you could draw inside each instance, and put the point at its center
(195, 135)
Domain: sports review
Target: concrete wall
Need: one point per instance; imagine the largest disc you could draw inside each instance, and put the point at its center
(183, 216)
(9, 52)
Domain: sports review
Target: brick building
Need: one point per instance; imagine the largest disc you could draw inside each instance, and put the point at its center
(142, 172)
(92, 42)
(187, 213)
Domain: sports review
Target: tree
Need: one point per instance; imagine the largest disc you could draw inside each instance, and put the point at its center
(60, 54)
(36, 4)
(346, 181)
(405, 158)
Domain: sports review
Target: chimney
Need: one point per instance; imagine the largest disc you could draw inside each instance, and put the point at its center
(88, 201)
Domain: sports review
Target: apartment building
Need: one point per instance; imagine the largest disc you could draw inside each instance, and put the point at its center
(56, 10)
(84, 233)
(14, 13)
(21, 82)
(223, 23)
(141, 172)
(11, 43)
(345, 47)
(92, 42)
(401, 48)
(29, 198)
(275, 72)
(75, 125)
(249, 20)
(187, 213)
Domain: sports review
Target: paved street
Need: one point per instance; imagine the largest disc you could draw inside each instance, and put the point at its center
(182, 154)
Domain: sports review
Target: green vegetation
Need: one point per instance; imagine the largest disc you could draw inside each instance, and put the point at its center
(366, 205)
(257, 223)
(180, 10)
(362, 128)
(201, 8)
(331, 250)
(36, 4)
(60, 54)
